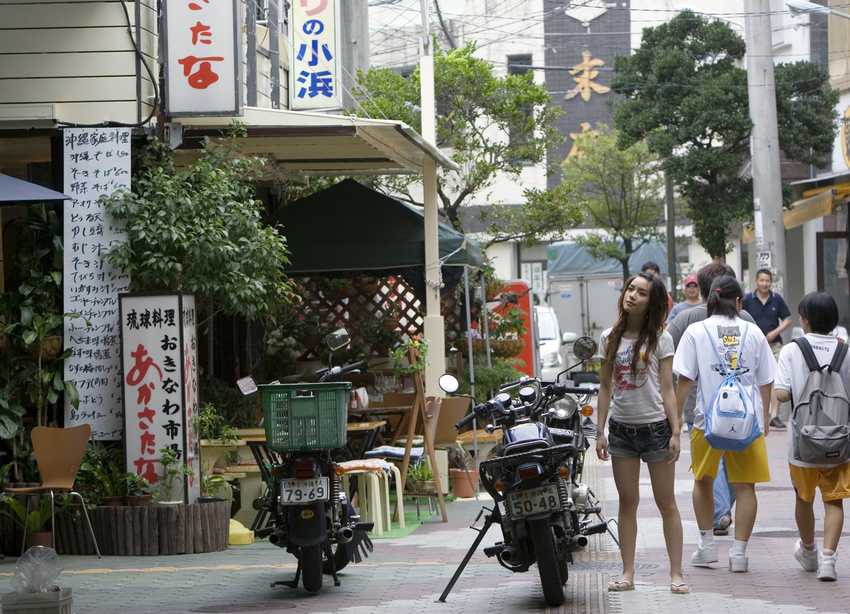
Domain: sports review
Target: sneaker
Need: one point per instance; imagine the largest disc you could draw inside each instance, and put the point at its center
(703, 556)
(738, 562)
(808, 559)
(776, 423)
(826, 568)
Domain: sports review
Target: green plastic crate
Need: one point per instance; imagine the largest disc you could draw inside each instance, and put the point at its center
(298, 416)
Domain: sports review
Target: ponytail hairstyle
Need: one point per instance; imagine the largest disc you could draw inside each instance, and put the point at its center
(656, 313)
(722, 297)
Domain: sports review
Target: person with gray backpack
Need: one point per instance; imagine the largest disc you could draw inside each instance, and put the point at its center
(814, 374)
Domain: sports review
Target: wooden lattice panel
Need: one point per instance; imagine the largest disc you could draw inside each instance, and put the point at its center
(348, 306)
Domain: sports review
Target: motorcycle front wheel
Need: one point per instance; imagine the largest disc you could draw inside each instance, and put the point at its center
(547, 563)
(311, 568)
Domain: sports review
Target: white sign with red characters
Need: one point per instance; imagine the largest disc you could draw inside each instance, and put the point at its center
(314, 55)
(160, 386)
(203, 57)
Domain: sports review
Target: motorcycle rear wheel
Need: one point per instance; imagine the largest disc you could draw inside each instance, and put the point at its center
(547, 563)
(311, 568)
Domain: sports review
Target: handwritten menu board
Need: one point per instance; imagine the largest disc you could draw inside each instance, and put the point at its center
(160, 385)
(97, 162)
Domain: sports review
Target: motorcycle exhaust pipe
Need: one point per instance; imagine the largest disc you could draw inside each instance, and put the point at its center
(510, 554)
(579, 541)
(600, 527)
(344, 535)
(276, 538)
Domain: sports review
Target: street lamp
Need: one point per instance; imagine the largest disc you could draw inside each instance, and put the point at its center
(801, 7)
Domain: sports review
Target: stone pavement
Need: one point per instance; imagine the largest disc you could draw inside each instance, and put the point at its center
(408, 574)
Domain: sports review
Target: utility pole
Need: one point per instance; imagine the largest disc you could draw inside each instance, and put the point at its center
(354, 17)
(764, 142)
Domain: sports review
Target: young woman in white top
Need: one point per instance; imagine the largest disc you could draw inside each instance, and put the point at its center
(636, 390)
(818, 317)
(722, 334)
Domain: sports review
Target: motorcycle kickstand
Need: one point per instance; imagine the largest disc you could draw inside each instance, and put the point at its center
(290, 583)
(492, 517)
(326, 548)
(598, 512)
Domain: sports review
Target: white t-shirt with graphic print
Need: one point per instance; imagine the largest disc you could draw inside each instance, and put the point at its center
(637, 396)
(792, 373)
(695, 358)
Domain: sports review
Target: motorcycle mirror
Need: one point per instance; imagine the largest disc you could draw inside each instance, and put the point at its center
(337, 339)
(448, 383)
(584, 347)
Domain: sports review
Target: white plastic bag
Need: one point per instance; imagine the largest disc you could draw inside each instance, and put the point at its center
(36, 571)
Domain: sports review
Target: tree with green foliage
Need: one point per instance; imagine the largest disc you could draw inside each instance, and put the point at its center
(199, 231)
(622, 194)
(490, 125)
(685, 93)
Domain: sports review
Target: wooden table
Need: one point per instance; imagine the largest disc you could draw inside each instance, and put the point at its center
(487, 442)
(367, 432)
(378, 410)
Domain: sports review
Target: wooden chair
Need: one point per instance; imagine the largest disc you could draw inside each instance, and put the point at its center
(58, 452)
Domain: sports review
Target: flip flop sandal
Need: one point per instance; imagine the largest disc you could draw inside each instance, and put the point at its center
(678, 589)
(621, 585)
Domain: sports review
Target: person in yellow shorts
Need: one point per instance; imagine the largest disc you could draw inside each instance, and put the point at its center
(818, 317)
(741, 347)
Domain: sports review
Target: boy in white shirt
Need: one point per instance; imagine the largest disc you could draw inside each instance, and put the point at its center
(818, 317)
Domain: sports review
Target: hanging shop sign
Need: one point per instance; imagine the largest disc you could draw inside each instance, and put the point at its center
(314, 55)
(203, 57)
(97, 163)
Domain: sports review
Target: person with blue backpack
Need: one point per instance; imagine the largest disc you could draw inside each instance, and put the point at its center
(734, 367)
(824, 463)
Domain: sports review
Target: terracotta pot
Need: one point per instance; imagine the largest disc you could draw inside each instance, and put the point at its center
(368, 289)
(463, 481)
(139, 500)
(115, 501)
(51, 347)
(504, 348)
(391, 323)
(39, 538)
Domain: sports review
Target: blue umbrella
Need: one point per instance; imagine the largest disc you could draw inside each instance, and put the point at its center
(16, 190)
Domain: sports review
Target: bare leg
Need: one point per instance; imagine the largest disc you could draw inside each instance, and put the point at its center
(627, 477)
(833, 523)
(703, 498)
(663, 476)
(804, 514)
(746, 507)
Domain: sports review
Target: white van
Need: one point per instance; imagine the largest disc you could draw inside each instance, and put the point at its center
(555, 347)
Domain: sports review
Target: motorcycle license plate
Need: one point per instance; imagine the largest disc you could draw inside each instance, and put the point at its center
(534, 501)
(296, 492)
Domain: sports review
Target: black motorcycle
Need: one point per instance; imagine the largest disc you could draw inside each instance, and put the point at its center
(309, 515)
(542, 508)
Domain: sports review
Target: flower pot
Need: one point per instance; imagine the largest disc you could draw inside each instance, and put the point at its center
(115, 501)
(463, 482)
(391, 323)
(39, 538)
(51, 347)
(504, 348)
(139, 500)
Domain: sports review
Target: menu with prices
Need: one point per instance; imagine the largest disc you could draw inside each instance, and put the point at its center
(97, 163)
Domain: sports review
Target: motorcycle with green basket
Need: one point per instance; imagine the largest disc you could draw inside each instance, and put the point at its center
(309, 514)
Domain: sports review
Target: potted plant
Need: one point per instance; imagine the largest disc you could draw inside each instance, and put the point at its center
(367, 285)
(214, 488)
(35, 521)
(379, 338)
(391, 314)
(420, 479)
(139, 490)
(401, 356)
(172, 469)
(462, 470)
(101, 477)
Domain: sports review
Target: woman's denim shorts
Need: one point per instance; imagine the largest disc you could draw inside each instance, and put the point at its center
(648, 442)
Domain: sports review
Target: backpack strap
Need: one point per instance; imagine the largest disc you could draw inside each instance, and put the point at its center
(811, 362)
(838, 356)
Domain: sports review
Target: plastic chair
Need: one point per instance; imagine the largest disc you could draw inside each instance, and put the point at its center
(58, 452)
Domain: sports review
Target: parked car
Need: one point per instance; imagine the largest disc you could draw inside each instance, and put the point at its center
(555, 347)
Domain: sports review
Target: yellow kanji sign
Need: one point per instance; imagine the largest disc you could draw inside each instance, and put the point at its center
(584, 80)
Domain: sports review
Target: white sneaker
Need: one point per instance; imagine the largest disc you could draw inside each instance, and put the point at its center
(703, 556)
(808, 559)
(738, 562)
(826, 568)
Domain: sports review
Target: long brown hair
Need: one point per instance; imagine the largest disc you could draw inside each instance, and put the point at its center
(656, 313)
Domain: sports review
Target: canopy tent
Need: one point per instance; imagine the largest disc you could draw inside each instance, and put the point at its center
(349, 229)
(566, 259)
(16, 190)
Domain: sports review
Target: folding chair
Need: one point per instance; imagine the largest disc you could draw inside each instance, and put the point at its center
(58, 452)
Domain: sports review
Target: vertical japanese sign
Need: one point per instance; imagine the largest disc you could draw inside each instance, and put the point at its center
(97, 162)
(203, 57)
(314, 55)
(160, 386)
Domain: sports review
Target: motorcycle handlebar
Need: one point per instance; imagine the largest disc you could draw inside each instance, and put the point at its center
(479, 411)
(329, 374)
(564, 389)
(357, 366)
(464, 421)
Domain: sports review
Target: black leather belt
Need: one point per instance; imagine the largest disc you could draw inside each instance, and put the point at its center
(637, 429)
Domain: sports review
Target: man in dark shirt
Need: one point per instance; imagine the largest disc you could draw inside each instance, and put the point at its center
(772, 316)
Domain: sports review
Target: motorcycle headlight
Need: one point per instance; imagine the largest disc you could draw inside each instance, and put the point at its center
(564, 408)
(551, 359)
